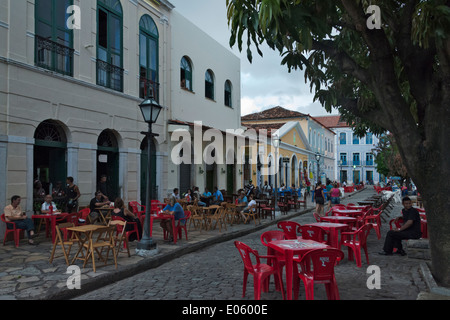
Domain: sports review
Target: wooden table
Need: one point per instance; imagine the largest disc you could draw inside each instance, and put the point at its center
(105, 213)
(51, 218)
(332, 229)
(289, 248)
(83, 235)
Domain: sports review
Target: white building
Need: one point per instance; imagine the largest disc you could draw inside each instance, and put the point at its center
(69, 96)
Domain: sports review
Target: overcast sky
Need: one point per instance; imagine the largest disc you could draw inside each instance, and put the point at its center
(265, 83)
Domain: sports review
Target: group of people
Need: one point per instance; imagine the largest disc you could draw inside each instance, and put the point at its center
(333, 196)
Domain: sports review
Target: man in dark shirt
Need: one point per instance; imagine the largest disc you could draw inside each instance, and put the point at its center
(409, 230)
(95, 204)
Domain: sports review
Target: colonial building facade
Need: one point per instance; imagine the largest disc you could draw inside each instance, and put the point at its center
(70, 85)
(355, 158)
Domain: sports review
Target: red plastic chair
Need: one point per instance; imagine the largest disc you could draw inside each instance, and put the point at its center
(260, 271)
(316, 216)
(355, 241)
(137, 208)
(83, 216)
(315, 233)
(180, 227)
(375, 220)
(290, 228)
(267, 237)
(15, 231)
(317, 266)
(127, 233)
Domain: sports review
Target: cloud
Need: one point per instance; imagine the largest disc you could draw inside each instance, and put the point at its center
(265, 83)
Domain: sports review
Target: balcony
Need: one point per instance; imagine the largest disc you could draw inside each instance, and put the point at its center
(109, 75)
(148, 88)
(53, 56)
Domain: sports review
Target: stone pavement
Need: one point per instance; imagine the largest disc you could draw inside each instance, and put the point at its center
(184, 270)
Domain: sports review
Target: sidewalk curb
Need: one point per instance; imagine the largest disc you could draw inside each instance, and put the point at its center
(154, 262)
(433, 287)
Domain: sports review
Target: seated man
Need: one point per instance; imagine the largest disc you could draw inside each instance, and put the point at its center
(96, 203)
(45, 208)
(409, 230)
(13, 213)
(217, 196)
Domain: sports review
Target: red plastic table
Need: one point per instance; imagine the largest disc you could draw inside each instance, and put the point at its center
(162, 216)
(289, 248)
(348, 212)
(52, 219)
(332, 229)
(339, 219)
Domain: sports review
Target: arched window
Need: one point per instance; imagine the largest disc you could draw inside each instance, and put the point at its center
(109, 44)
(53, 39)
(148, 58)
(228, 96)
(209, 84)
(186, 73)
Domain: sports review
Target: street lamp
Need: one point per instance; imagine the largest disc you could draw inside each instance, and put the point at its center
(318, 166)
(276, 144)
(150, 109)
(340, 171)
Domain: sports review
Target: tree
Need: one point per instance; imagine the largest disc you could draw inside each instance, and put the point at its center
(395, 78)
(387, 158)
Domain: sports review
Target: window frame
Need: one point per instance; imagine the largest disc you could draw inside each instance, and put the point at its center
(209, 85)
(228, 94)
(52, 44)
(187, 73)
(149, 37)
(108, 65)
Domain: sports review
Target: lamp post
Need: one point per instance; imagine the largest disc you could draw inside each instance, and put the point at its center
(276, 144)
(340, 171)
(150, 109)
(318, 166)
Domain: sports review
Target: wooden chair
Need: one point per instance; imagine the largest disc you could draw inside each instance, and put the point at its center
(251, 214)
(104, 240)
(196, 218)
(120, 236)
(61, 241)
(219, 217)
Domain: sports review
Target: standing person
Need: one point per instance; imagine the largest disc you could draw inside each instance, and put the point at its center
(335, 194)
(72, 195)
(127, 215)
(173, 207)
(266, 189)
(14, 213)
(102, 186)
(319, 198)
(409, 230)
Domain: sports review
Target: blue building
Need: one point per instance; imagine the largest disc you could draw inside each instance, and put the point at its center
(355, 161)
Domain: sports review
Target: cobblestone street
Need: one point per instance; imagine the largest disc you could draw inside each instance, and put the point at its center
(216, 272)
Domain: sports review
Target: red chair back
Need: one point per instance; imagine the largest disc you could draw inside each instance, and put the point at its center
(363, 233)
(272, 235)
(290, 228)
(245, 251)
(16, 232)
(319, 263)
(315, 233)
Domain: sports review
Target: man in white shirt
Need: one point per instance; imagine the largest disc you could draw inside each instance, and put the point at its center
(251, 207)
(45, 208)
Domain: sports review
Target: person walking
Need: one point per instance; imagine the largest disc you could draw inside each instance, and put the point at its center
(319, 197)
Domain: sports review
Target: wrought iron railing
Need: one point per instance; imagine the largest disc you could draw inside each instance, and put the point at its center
(53, 56)
(148, 88)
(109, 75)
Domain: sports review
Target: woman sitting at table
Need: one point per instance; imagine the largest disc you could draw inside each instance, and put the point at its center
(173, 207)
(128, 216)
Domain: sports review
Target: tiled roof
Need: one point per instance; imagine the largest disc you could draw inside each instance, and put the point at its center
(331, 121)
(273, 113)
(270, 127)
